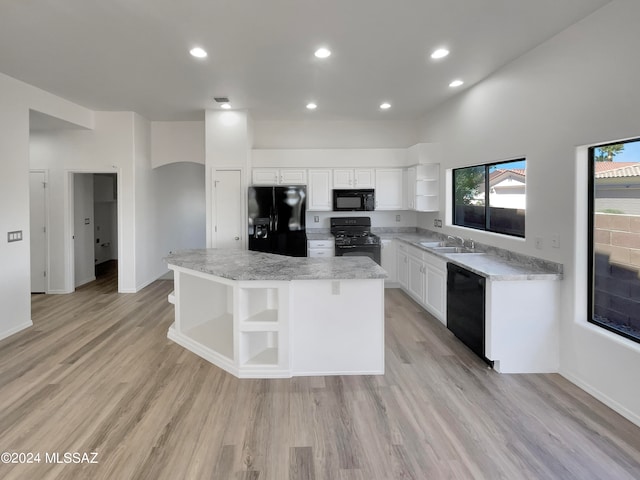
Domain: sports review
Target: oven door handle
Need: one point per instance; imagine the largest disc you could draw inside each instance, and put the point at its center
(346, 246)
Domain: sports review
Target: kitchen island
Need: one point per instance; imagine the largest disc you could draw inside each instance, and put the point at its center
(260, 315)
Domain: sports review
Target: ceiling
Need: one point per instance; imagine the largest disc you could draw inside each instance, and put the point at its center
(133, 54)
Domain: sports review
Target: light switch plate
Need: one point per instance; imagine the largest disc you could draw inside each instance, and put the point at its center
(15, 236)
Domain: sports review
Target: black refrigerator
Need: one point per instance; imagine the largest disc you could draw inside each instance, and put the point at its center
(277, 220)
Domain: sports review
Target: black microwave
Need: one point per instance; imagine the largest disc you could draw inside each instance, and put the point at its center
(354, 200)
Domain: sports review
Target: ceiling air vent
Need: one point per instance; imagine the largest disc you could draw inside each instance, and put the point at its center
(221, 99)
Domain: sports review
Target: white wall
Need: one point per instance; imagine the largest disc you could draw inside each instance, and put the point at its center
(83, 220)
(329, 157)
(580, 87)
(180, 200)
(387, 219)
(177, 142)
(228, 137)
(334, 134)
(16, 98)
(109, 148)
(120, 142)
(148, 255)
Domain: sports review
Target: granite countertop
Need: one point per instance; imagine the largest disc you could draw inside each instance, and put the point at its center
(249, 265)
(492, 263)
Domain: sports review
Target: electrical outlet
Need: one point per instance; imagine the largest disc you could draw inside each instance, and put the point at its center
(539, 243)
(555, 240)
(397, 218)
(316, 218)
(335, 287)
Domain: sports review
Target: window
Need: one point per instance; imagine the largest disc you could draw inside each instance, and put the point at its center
(491, 197)
(614, 237)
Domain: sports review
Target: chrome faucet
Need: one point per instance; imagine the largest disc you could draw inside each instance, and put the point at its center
(460, 239)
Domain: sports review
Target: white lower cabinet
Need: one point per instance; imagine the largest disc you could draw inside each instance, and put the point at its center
(388, 261)
(402, 265)
(417, 277)
(320, 248)
(424, 277)
(436, 287)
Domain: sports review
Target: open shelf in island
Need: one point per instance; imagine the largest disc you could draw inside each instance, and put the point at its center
(215, 334)
(259, 348)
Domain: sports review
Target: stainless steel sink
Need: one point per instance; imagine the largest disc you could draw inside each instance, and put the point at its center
(435, 244)
(449, 249)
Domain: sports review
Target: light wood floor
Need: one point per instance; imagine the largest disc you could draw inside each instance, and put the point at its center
(96, 373)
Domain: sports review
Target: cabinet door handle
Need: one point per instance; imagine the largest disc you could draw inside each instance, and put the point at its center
(236, 238)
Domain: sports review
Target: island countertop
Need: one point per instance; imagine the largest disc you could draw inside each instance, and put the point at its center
(249, 265)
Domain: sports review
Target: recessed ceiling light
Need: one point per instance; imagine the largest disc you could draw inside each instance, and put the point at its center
(322, 52)
(311, 106)
(385, 105)
(439, 53)
(456, 83)
(198, 52)
(226, 106)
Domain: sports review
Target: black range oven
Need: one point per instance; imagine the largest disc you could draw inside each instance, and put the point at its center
(353, 237)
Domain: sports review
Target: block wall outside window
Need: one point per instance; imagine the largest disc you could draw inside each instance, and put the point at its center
(614, 238)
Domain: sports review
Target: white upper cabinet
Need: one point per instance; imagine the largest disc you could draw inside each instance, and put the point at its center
(364, 178)
(353, 178)
(389, 189)
(279, 176)
(319, 190)
(265, 176)
(293, 176)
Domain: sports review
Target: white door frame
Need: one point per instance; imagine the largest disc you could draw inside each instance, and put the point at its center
(211, 237)
(69, 247)
(46, 224)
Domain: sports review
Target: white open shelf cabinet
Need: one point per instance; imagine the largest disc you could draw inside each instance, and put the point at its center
(427, 187)
(241, 326)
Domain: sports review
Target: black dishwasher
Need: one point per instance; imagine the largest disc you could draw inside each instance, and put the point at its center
(466, 307)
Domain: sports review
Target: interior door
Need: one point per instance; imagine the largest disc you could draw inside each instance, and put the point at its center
(38, 231)
(228, 208)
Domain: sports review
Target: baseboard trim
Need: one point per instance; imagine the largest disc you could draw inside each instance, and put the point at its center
(14, 330)
(85, 281)
(608, 401)
(145, 284)
(58, 292)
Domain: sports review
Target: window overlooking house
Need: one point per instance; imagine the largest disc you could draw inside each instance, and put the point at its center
(491, 197)
(614, 237)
